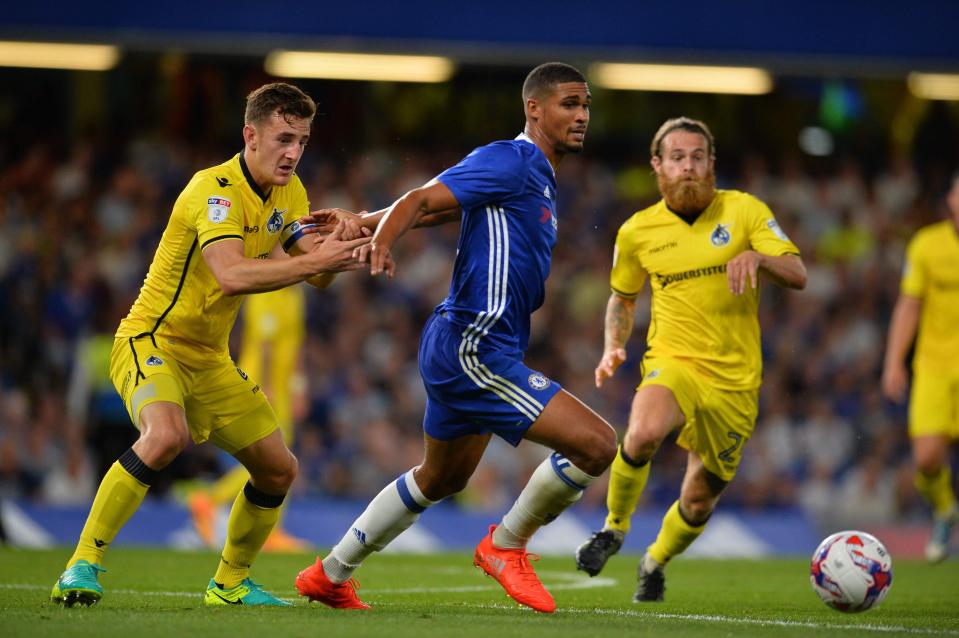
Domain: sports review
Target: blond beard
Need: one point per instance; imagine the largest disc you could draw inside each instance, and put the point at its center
(688, 196)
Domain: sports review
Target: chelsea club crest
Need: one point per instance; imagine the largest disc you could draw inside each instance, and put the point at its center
(720, 236)
(538, 382)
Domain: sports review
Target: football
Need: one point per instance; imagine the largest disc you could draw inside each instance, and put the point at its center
(851, 571)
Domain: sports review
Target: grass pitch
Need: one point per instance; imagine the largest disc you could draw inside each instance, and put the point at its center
(151, 592)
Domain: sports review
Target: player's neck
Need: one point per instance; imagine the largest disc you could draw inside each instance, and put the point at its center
(553, 156)
(689, 217)
(263, 184)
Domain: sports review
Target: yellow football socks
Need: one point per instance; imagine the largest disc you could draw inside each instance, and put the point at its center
(674, 536)
(626, 485)
(118, 497)
(937, 490)
(252, 518)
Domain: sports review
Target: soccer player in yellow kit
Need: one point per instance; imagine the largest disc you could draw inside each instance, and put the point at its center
(929, 304)
(274, 327)
(702, 250)
(171, 363)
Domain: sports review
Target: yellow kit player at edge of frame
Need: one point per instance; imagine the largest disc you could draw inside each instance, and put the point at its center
(931, 274)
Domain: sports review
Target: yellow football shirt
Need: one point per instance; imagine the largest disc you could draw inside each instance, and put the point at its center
(181, 304)
(695, 318)
(931, 273)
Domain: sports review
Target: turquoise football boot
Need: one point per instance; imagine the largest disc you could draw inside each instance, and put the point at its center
(246, 593)
(78, 584)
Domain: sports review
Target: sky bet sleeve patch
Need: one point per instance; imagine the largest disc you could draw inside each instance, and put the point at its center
(218, 209)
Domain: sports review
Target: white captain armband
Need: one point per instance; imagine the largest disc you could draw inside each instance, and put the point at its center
(292, 232)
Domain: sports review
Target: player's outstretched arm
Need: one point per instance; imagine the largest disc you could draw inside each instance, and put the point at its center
(426, 219)
(786, 270)
(430, 199)
(902, 330)
(322, 221)
(620, 312)
(238, 274)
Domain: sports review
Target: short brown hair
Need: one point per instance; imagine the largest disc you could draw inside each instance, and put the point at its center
(281, 98)
(685, 124)
(546, 76)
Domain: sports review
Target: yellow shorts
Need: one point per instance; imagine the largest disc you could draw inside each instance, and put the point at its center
(718, 421)
(934, 405)
(221, 403)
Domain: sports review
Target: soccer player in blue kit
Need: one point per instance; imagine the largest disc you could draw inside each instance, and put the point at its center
(472, 348)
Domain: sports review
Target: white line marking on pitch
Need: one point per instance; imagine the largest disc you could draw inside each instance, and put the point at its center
(581, 583)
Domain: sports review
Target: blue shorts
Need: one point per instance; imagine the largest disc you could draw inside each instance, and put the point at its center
(477, 392)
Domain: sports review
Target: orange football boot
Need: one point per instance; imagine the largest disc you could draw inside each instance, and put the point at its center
(512, 569)
(313, 583)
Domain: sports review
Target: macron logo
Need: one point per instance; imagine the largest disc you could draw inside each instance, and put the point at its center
(360, 536)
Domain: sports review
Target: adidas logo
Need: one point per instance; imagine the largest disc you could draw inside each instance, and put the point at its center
(360, 536)
(498, 564)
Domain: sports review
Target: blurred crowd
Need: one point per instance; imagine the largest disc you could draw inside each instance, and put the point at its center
(78, 230)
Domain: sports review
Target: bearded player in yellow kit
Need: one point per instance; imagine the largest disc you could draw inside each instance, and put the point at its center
(171, 363)
(929, 305)
(703, 251)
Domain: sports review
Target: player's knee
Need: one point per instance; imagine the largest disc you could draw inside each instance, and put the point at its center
(294, 469)
(277, 476)
(599, 452)
(286, 473)
(162, 444)
(929, 466)
(436, 488)
(696, 510)
(640, 444)
(593, 452)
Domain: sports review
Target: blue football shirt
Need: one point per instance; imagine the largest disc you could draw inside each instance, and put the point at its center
(507, 192)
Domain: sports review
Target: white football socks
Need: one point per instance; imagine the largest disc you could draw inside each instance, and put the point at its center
(555, 485)
(388, 515)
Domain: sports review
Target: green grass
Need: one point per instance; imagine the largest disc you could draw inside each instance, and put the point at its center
(152, 592)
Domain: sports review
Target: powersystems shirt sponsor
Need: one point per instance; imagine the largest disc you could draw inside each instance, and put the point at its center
(931, 273)
(694, 315)
(180, 301)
